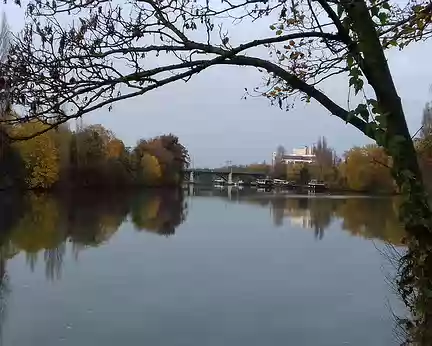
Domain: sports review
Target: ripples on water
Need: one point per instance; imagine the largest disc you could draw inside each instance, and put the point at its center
(211, 268)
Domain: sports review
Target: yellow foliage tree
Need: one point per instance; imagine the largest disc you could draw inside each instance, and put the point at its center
(40, 155)
(367, 169)
(152, 171)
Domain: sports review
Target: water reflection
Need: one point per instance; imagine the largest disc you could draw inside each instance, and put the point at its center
(159, 213)
(366, 217)
(372, 218)
(41, 226)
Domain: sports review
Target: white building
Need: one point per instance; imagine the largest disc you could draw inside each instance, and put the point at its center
(302, 155)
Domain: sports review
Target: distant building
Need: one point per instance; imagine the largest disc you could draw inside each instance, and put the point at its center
(302, 155)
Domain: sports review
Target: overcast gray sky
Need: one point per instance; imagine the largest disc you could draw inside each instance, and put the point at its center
(216, 125)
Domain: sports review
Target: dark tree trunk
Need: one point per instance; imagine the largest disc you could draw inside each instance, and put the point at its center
(415, 212)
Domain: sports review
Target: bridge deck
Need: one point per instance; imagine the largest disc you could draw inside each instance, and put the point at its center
(217, 172)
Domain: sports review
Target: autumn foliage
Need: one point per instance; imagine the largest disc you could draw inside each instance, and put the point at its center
(90, 157)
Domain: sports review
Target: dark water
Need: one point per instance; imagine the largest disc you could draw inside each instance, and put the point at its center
(216, 268)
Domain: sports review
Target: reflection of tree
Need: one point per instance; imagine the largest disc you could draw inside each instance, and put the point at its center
(161, 213)
(315, 213)
(4, 292)
(11, 210)
(86, 219)
(322, 212)
(54, 261)
(38, 229)
(11, 207)
(371, 218)
(93, 218)
(366, 217)
(278, 208)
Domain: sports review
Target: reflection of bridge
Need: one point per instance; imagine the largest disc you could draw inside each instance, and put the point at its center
(228, 176)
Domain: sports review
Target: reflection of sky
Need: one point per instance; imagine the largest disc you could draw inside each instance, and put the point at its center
(227, 277)
(216, 125)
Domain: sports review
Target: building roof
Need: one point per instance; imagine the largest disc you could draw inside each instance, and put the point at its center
(299, 157)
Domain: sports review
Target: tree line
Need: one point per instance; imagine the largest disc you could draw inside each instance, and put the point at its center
(88, 157)
(361, 168)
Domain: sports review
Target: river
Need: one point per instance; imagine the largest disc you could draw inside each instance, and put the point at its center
(211, 268)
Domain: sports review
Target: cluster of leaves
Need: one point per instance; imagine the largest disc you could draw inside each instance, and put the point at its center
(88, 157)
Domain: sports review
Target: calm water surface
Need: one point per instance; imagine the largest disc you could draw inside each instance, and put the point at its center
(214, 268)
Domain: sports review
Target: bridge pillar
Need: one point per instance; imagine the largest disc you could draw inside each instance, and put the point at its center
(191, 189)
(230, 181)
(191, 177)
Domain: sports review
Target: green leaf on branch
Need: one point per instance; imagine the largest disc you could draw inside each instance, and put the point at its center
(356, 83)
(358, 86)
(362, 111)
(383, 17)
(372, 102)
(355, 72)
(350, 60)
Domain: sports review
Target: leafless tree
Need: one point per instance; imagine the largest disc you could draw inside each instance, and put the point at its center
(5, 39)
(82, 55)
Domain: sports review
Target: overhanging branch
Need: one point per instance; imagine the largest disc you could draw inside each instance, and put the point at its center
(300, 85)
